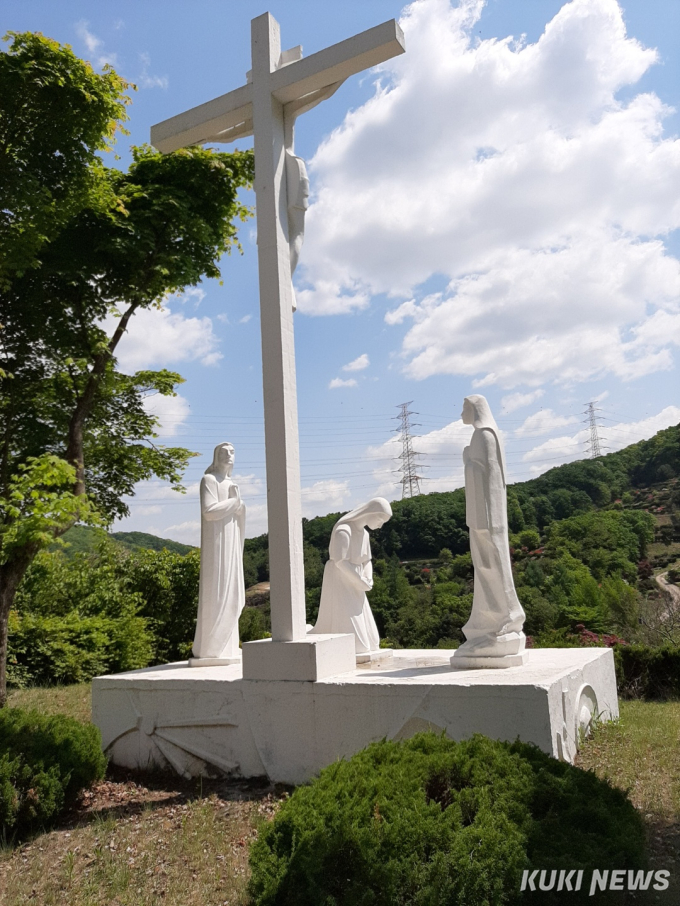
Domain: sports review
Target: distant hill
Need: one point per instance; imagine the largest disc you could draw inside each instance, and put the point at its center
(137, 540)
(81, 539)
(84, 539)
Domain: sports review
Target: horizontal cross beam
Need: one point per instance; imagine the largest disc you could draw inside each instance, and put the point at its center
(201, 124)
(298, 86)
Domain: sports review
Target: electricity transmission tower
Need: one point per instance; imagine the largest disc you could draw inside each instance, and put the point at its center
(592, 421)
(410, 480)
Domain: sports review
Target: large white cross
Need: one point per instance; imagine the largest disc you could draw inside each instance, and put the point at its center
(280, 87)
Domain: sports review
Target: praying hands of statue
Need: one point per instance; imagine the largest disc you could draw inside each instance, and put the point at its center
(233, 504)
(359, 575)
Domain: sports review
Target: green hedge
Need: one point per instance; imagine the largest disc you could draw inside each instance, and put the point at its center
(431, 821)
(44, 650)
(45, 761)
(644, 672)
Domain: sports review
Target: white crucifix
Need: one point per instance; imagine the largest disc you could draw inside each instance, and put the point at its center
(279, 88)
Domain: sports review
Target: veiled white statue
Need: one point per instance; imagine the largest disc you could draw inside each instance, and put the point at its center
(221, 594)
(494, 631)
(348, 575)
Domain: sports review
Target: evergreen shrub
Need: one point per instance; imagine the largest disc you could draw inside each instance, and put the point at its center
(45, 761)
(431, 821)
(29, 797)
(646, 672)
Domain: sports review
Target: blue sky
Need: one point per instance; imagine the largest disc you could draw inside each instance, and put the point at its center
(497, 211)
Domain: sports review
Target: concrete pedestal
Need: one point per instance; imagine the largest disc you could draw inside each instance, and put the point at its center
(312, 658)
(214, 721)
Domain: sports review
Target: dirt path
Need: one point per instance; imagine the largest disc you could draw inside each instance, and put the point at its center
(669, 588)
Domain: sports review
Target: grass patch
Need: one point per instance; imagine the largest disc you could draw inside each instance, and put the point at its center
(641, 753)
(73, 701)
(137, 853)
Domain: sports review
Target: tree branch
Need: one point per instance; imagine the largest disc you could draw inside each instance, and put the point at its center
(74, 448)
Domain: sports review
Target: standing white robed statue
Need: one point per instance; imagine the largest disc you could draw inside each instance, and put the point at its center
(348, 575)
(494, 636)
(221, 594)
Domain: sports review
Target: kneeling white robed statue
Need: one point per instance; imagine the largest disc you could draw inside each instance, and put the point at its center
(494, 636)
(221, 594)
(348, 575)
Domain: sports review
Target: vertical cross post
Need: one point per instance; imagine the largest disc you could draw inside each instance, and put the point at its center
(281, 87)
(286, 568)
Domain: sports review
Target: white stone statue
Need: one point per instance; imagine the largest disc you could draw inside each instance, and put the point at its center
(297, 189)
(221, 594)
(348, 575)
(494, 630)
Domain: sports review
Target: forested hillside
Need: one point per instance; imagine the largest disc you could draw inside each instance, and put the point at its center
(82, 539)
(421, 526)
(580, 537)
(587, 540)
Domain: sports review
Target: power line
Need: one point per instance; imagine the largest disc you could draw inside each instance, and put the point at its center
(410, 480)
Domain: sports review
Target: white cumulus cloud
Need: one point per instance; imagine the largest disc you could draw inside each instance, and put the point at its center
(323, 497)
(337, 382)
(171, 412)
(542, 422)
(185, 532)
(250, 486)
(93, 43)
(157, 338)
(358, 364)
(256, 519)
(518, 173)
(440, 461)
(154, 491)
(514, 401)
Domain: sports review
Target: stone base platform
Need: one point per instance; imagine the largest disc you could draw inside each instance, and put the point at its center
(212, 721)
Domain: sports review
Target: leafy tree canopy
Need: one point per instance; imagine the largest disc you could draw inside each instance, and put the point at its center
(56, 113)
(84, 248)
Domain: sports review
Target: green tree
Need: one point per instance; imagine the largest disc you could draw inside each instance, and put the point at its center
(56, 113)
(75, 436)
(609, 542)
(515, 515)
(167, 585)
(76, 618)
